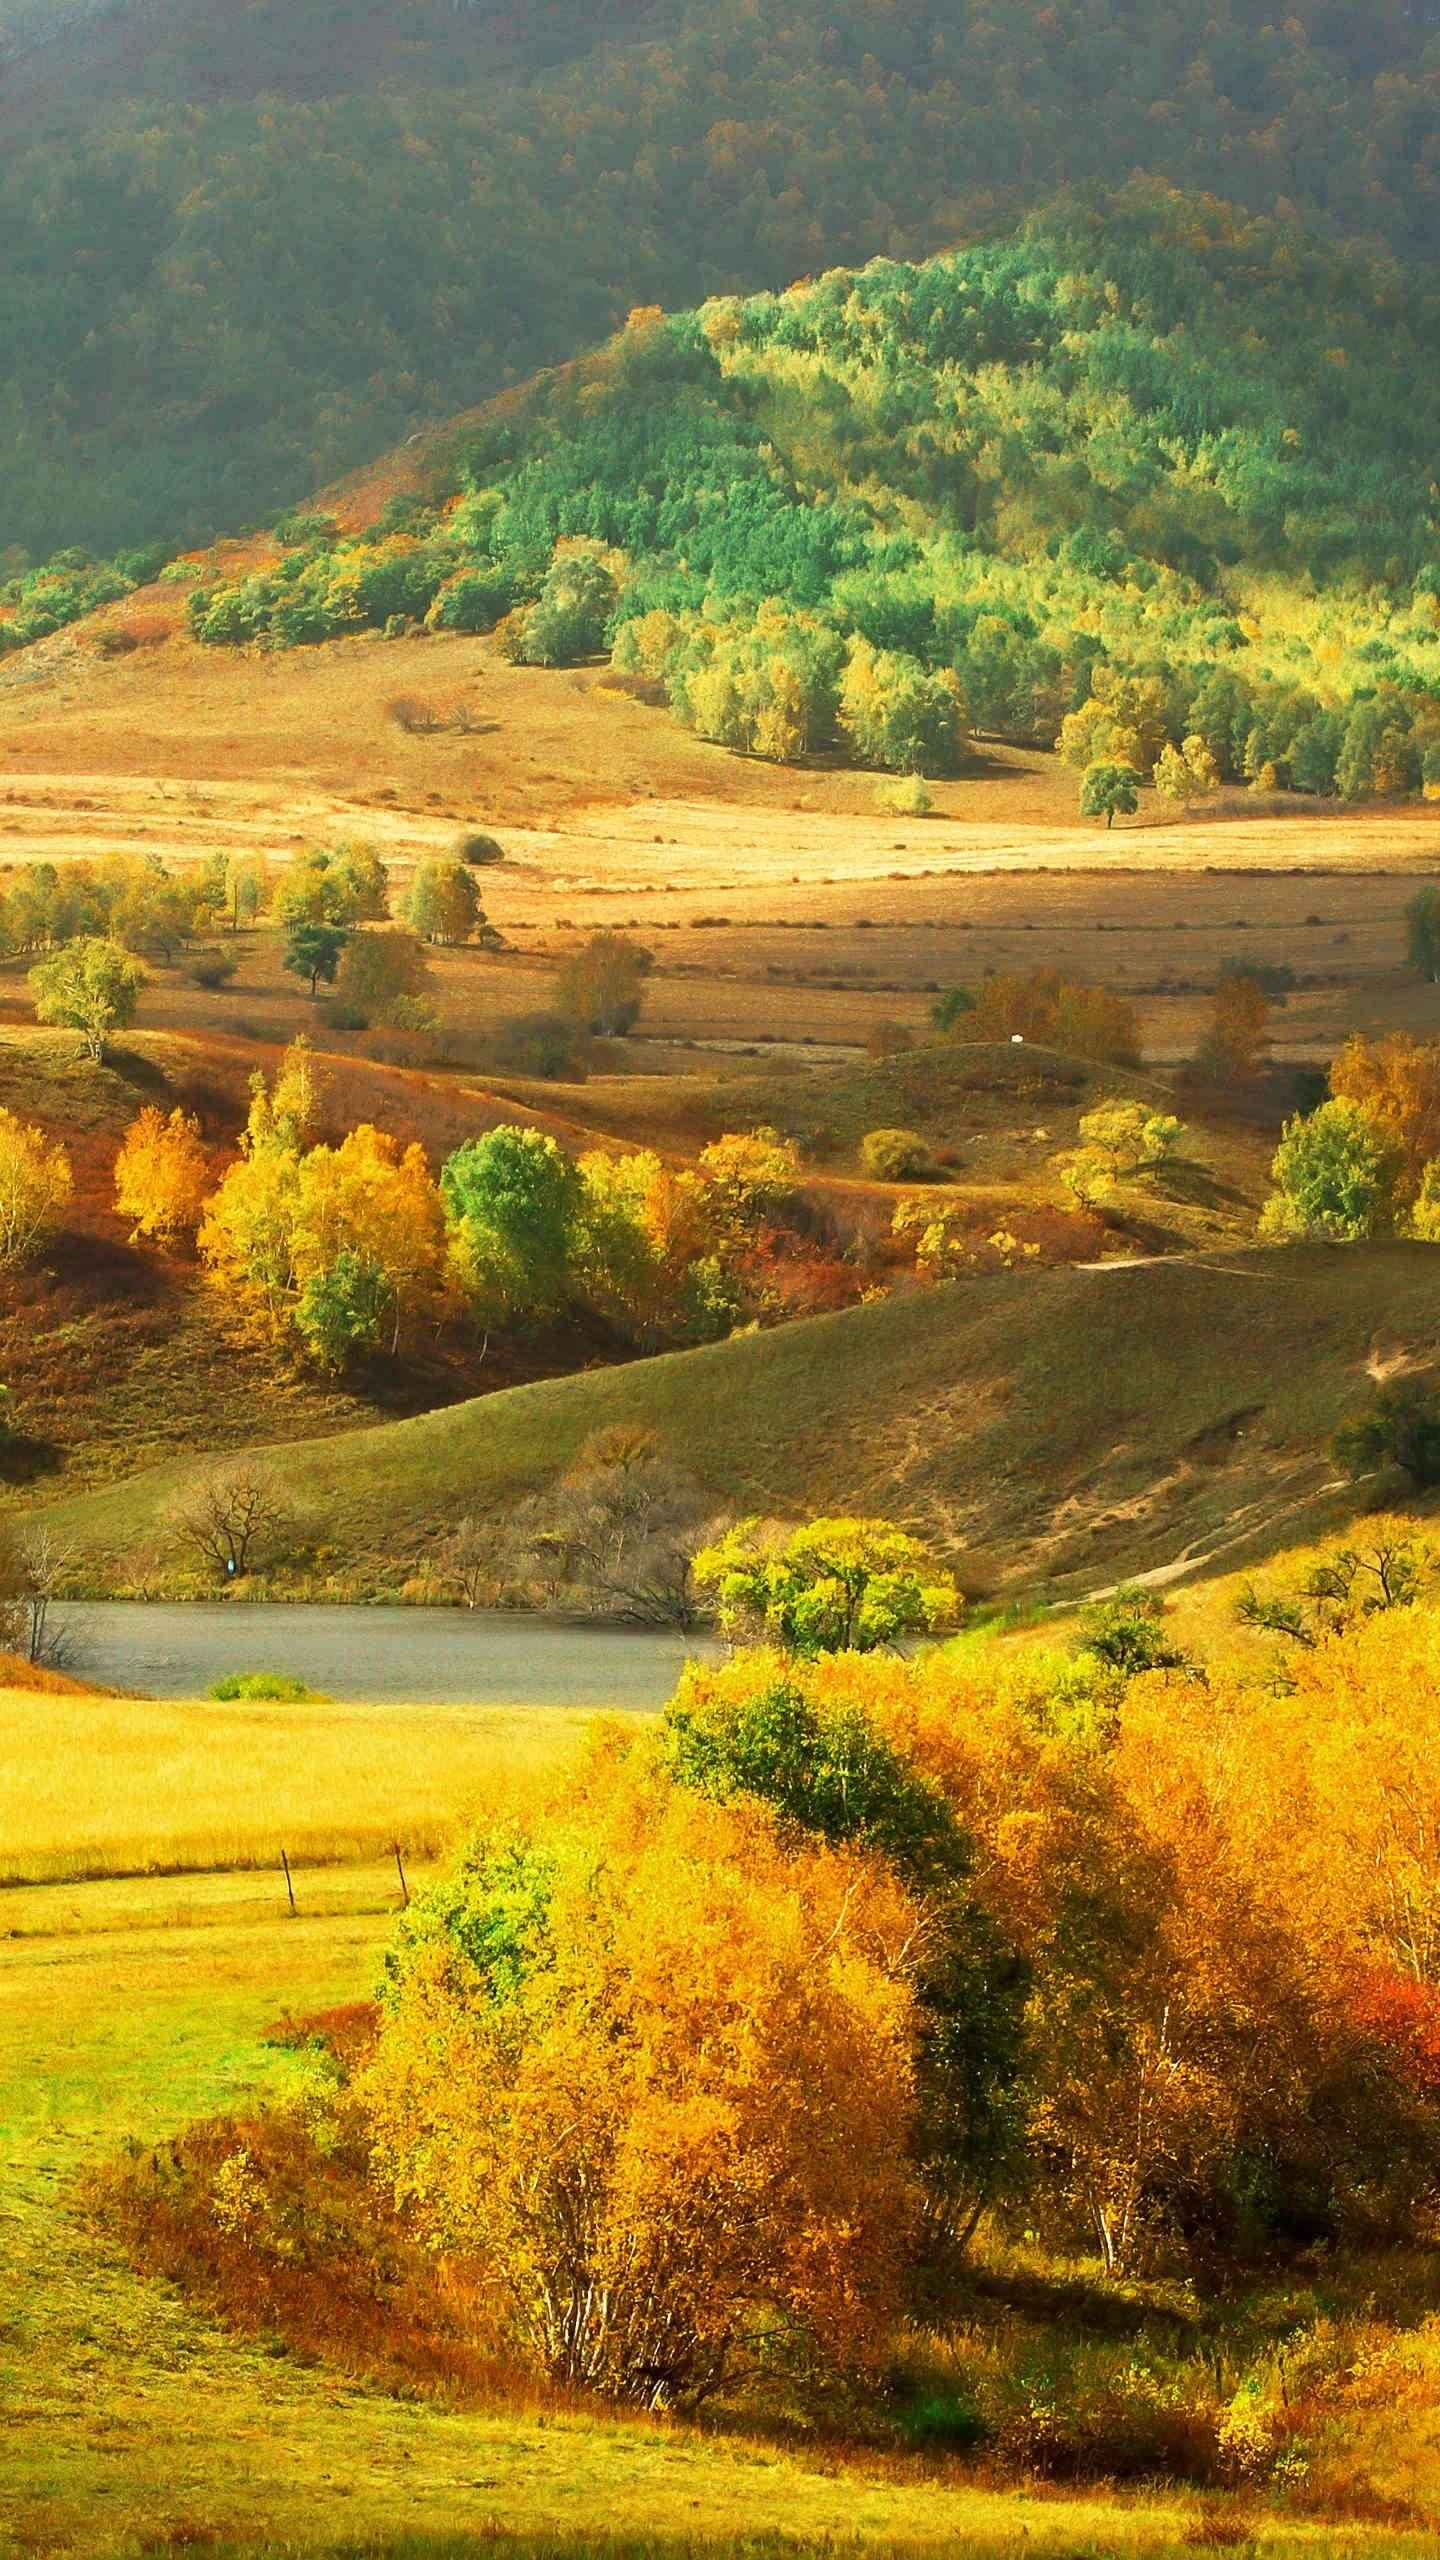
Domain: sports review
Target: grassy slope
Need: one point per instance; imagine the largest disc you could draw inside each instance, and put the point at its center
(1060, 1429)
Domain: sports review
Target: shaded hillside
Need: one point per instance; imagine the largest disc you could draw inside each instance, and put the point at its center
(211, 304)
(1057, 1431)
(72, 58)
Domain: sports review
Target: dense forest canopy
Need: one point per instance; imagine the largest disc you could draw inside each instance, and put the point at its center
(1093, 482)
(222, 287)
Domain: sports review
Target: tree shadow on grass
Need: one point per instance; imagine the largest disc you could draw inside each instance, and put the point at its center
(1196, 1187)
(24, 1460)
(143, 1075)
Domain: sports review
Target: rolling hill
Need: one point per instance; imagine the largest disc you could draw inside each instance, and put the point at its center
(247, 248)
(1054, 1431)
(1084, 482)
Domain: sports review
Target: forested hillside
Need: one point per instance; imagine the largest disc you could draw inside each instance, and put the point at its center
(1093, 483)
(247, 249)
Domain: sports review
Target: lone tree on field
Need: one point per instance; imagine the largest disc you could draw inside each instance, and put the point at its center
(444, 903)
(232, 1519)
(602, 986)
(92, 987)
(1235, 1045)
(1422, 933)
(161, 1175)
(1110, 791)
(313, 951)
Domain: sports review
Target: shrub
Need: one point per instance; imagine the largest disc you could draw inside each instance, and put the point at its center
(211, 969)
(615, 1536)
(275, 1687)
(1401, 1428)
(478, 850)
(412, 713)
(543, 1044)
(894, 1155)
(908, 797)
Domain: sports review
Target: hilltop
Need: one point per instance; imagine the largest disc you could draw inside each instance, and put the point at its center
(1085, 484)
(248, 248)
(1055, 1431)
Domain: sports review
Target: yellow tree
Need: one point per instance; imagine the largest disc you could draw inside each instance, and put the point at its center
(1397, 1080)
(369, 1199)
(161, 1175)
(247, 1233)
(35, 1183)
(651, 2071)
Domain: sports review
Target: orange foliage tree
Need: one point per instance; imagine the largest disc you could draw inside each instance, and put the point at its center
(161, 1175)
(1397, 1080)
(35, 1183)
(1085, 1022)
(649, 2070)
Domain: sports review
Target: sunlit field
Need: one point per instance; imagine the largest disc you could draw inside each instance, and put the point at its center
(97, 1787)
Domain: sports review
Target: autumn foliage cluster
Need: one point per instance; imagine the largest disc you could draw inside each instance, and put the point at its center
(348, 1247)
(1367, 1161)
(723, 2054)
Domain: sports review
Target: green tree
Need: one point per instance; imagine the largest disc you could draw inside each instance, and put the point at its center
(345, 1310)
(949, 1012)
(1400, 1428)
(313, 951)
(444, 903)
(1422, 933)
(1109, 791)
(1337, 1175)
(517, 1202)
(834, 1586)
(92, 987)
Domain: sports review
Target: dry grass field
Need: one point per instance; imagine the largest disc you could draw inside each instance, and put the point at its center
(749, 880)
(128, 1787)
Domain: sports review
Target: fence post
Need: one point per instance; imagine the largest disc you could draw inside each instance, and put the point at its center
(400, 1871)
(289, 1886)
